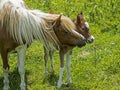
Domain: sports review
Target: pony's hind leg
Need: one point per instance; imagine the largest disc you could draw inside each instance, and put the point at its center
(4, 55)
(45, 60)
(51, 52)
(68, 64)
(21, 57)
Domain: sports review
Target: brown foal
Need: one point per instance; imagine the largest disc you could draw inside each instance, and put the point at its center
(82, 27)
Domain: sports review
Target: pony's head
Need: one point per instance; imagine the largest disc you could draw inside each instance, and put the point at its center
(83, 28)
(64, 29)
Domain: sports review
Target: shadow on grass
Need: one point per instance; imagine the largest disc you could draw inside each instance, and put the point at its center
(14, 80)
(52, 79)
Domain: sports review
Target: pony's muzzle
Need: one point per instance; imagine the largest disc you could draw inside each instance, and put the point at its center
(81, 43)
(90, 39)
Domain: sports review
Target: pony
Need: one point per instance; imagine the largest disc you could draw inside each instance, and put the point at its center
(82, 27)
(19, 27)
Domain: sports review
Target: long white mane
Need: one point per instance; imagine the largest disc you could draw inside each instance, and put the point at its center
(23, 25)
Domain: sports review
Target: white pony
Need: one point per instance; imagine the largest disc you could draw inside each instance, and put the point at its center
(20, 26)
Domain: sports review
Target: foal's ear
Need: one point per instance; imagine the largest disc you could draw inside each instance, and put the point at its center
(78, 19)
(58, 21)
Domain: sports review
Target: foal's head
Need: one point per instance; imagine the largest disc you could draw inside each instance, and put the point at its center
(64, 29)
(83, 28)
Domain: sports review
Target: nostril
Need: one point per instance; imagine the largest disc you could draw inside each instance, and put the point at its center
(85, 40)
(81, 43)
(92, 39)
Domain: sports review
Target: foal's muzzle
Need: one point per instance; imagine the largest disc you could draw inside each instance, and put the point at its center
(90, 39)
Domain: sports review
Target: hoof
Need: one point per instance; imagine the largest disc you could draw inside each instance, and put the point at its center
(52, 72)
(59, 84)
(22, 87)
(45, 73)
(66, 85)
(69, 80)
(6, 88)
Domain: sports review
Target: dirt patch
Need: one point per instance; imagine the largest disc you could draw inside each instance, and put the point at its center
(84, 54)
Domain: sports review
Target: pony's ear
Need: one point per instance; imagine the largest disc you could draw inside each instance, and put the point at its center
(51, 12)
(81, 13)
(58, 21)
(78, 19)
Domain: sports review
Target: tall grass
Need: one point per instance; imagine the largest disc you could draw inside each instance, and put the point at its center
(101, 12)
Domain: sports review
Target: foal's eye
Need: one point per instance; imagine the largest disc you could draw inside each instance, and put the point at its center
(86, 29)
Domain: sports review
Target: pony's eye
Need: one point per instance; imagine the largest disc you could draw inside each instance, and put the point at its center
(66, 32)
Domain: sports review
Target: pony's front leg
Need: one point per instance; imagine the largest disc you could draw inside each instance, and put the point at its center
(68, 64)
(61, 54)
(6, 80)
(21, 57)
(4, 55)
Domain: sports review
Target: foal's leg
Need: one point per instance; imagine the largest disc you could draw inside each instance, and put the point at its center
(21, 57)
(4, 55)
(68, 64)
(61, 54)
(51, 52)
(45, 60)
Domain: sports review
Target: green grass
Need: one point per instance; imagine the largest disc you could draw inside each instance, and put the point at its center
(94, 67)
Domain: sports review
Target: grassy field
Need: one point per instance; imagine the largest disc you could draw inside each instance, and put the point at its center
(94, 67)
